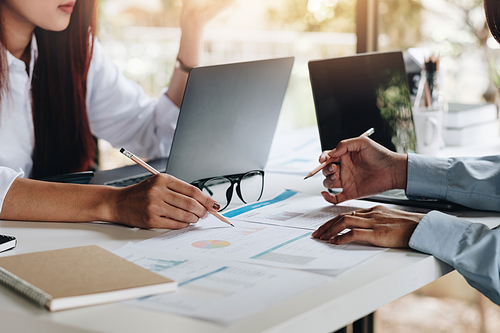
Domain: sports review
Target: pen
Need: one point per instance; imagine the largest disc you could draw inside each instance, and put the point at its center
(324, 164)
(155, 172)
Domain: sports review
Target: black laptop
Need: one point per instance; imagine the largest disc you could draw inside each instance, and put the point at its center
(354, 93)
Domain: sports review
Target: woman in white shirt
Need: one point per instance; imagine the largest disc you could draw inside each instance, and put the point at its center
(58, 88)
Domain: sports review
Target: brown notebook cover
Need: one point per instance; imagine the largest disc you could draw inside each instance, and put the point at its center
(80, 276)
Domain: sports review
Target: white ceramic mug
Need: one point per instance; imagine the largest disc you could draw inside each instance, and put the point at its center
(429, 130)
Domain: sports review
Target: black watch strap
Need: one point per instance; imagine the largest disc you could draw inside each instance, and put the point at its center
(180, 65)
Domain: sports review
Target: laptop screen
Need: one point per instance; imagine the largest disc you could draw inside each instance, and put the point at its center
(228, 118)
(352, 94)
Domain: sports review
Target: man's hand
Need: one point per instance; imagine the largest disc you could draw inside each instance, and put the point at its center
(379, 226)
(366, 168)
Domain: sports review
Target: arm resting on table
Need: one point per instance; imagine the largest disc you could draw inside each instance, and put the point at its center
(471, 248)
(472, 182)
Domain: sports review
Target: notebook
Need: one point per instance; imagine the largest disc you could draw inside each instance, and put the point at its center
(226, 123)
(354, 93)
(76, 277)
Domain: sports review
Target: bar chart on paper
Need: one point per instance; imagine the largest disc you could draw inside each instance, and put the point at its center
(160, 265)
(292, 209)
(214, 289)
(210, 244)
(261, 244)
(283, 216)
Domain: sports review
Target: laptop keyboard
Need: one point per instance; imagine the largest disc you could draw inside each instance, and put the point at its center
(128, 181)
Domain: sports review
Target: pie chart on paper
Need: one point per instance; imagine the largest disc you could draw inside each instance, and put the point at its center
(210, 244)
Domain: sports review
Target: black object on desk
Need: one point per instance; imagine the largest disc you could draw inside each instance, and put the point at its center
(7, 242)
(357, 92)
(83, 177)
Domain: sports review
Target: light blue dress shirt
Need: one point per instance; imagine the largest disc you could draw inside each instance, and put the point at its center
(471, 248)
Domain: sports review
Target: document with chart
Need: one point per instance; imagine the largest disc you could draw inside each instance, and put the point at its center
(214, 289)
(294, 209)
(261, 244)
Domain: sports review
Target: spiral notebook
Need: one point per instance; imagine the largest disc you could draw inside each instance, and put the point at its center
(76, 277)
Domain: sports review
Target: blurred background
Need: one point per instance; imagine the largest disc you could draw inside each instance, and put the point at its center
(142, 37)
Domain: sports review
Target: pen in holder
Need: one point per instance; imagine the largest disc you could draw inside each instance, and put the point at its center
(428, 110)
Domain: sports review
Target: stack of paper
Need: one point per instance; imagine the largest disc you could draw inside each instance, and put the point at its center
(468, 124)
(226, 273)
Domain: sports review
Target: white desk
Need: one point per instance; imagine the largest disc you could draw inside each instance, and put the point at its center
(346, 298)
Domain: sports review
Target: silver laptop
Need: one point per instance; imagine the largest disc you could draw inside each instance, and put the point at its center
(226, 123)
(352, 94)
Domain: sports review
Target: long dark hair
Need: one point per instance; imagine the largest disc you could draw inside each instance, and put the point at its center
(492, 10)
(63, 140)
(4, 71)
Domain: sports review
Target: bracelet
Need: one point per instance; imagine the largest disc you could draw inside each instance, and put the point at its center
(180, 65)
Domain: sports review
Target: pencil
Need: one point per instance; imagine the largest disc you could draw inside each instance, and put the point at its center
(324, 164)
(155, 172)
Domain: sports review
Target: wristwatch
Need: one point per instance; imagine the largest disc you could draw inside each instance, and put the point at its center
(180, 65)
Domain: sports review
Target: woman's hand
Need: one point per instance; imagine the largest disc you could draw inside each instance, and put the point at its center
(162, 201)
(379, 226)
(194, 16)
(366, 168)
(197, 13)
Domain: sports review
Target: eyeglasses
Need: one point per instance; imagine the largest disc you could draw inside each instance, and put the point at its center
(249, 187)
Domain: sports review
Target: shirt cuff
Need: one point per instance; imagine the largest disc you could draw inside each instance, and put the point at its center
(427, 177)
(167, 115)
(439, 234)
(7, 177)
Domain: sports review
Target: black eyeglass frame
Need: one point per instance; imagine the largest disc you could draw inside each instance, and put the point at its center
(235, 180)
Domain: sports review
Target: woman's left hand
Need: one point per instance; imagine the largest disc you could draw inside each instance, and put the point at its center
(197, 13)
(194, 16)
(380, 226)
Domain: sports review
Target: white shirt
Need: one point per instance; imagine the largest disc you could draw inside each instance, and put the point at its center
(118, 110)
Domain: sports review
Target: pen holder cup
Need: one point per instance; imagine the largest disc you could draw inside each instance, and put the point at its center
(429, 130)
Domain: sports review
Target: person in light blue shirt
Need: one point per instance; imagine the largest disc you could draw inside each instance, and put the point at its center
(368, 168)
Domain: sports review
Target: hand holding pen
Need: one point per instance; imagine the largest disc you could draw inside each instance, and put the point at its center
(176, 203)
(332, 160)
(367, 168)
